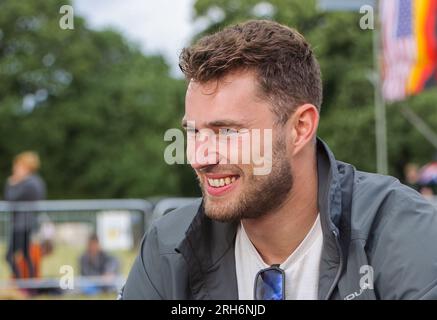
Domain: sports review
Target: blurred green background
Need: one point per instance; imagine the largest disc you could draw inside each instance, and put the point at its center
(96, 107)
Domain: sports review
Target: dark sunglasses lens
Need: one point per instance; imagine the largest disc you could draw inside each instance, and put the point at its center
(269, 285)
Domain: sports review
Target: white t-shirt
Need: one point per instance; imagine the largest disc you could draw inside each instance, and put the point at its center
(301, 267)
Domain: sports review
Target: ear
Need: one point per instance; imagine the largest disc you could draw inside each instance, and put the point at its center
(304, 123)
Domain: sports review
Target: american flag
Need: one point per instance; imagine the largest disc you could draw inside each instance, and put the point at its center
(399, 47)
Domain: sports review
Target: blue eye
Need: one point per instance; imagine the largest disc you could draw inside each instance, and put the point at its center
(191, 130)
(228, 131)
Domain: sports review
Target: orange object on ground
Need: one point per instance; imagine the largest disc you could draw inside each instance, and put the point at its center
(35, 256)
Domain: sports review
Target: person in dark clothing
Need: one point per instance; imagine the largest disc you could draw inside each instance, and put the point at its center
(96, 262)
(23, 185)
(411, 174)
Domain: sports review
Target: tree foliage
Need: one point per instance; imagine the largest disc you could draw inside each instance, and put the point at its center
(96, 108)
(89, 102)
(345, 53)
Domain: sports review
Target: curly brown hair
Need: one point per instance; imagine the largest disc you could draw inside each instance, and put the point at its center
(286, 68)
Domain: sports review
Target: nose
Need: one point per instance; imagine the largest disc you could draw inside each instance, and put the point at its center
(202, 152)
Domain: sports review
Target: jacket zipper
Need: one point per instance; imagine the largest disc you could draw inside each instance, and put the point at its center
(340, 267)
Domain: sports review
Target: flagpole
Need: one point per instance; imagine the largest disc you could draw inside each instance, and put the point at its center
(380, 110)
(375, 75)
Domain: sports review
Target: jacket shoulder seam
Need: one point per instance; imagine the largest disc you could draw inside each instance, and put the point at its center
(145, 270)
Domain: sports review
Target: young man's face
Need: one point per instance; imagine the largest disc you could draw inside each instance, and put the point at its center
(232, 108)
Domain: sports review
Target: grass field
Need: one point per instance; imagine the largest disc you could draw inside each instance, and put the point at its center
(66, 255)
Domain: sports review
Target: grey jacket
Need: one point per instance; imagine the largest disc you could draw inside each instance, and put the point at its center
(379, 242)
(30, 189)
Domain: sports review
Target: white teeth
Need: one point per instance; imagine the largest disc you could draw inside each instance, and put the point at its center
(221, 182)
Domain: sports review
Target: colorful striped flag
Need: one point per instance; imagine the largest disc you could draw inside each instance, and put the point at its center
(409, 47)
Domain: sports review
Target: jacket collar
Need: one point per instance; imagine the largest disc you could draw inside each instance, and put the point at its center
(335, 187)
(208, 247)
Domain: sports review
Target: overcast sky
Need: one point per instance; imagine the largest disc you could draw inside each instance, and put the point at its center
(163, 26)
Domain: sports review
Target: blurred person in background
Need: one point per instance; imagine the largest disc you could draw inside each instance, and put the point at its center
(427, 178)
(23, 185)
(411, 174)
(96, 262)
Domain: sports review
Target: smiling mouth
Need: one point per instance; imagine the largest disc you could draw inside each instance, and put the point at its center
(221, 182)
(217, 185)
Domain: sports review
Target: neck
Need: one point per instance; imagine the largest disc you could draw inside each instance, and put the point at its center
(17, 178)
(277, 234)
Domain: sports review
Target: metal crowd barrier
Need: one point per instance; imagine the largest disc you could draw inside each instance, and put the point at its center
(144, 207)
(150, 210)
(79, 282)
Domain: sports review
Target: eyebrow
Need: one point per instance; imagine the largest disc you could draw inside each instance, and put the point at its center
(218, 123)
(225, 123)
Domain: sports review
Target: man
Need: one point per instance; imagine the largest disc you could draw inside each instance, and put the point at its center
(96, 262)
(23, 185)
(314, 227)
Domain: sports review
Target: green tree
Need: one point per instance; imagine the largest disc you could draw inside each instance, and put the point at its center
(344, 51)
(89, 102)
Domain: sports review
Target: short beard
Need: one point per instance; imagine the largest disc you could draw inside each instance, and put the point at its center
(262, 194)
